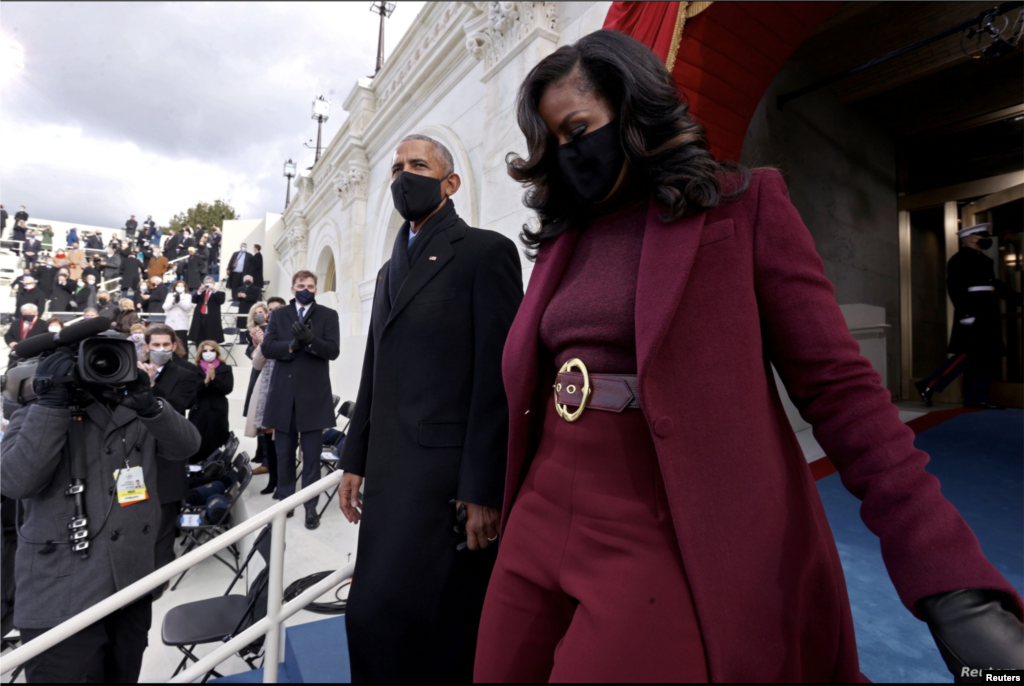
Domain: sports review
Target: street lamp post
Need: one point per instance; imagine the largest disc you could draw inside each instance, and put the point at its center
(321, 112)
(289, 173)
(384, 9)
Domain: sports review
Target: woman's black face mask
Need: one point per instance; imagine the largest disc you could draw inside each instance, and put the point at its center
(591, 165)
(416, 196)
(984, 243)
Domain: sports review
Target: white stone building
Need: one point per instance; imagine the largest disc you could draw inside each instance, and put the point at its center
(454, 77)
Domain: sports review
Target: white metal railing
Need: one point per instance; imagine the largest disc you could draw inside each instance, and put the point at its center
(270, 625)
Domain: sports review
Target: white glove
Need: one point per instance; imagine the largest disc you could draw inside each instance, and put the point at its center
(967, 321)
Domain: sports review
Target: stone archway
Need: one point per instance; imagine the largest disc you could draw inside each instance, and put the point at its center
(327, 271)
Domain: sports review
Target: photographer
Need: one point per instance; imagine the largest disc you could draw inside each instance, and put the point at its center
(206, 319)
(122, 428)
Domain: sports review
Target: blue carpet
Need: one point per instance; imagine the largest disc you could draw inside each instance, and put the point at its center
(315, 653)
(978, 458)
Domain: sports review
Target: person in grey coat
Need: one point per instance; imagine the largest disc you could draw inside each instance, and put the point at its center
(111, 264)
(53, 584)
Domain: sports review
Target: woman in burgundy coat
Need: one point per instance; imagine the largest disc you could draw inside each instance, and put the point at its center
(660, 521)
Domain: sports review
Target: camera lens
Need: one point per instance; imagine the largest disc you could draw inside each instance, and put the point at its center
(105, 362)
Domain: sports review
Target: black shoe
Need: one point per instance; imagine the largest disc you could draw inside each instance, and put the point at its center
(924, 392)
(985, 406)
(291, 513)
(312, 519)
(269, 489)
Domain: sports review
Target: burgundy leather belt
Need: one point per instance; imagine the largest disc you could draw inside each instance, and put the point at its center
(609, 392)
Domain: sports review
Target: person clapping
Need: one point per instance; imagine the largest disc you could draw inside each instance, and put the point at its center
(209, 414)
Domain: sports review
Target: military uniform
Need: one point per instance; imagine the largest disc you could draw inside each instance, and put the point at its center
(976, 342)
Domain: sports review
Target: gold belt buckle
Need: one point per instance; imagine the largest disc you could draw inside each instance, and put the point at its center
(585, 391)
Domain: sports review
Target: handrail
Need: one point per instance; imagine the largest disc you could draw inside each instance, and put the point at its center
(270, 625)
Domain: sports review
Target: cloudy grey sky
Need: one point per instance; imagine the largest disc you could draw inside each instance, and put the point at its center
(149, 107)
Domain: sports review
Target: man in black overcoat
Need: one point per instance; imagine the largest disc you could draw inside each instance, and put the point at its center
(976, 342)
(29, 292)
(26, 325)
(172, 244)
(45, 274)
(3, 219)
(303, 337)
(430, 433)
(247, 296)
(238, 267)
(206, 319)
(257, 267)
(131, 272)
(177, 386)
(31, 249)
(130, 227)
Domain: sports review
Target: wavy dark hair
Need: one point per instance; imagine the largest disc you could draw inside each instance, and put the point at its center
(665, 147)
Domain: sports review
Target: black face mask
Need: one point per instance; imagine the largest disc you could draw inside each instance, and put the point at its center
(304, 297)
(591, 165)
(416, 196)
(984, 243)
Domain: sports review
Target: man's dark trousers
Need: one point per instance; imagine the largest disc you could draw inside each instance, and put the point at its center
(108, 651)
(286, 442)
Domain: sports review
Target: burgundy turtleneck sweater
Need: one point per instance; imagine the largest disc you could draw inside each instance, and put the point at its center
(591, 315)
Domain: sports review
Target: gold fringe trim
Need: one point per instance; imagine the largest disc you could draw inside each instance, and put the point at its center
(687, 10)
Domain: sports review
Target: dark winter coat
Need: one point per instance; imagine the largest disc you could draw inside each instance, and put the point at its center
(972, 268)
(301, 379)
(209, 412)
(207, 327)
(430, 426)
(55, 587)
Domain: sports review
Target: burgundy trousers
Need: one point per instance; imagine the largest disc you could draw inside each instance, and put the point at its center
(589, 584)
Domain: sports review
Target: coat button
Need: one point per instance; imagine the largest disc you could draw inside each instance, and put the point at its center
(114, 535)
(663, 427)
(145, 529)
(109, 450)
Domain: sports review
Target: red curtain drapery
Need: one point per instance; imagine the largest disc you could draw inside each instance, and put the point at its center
(727, 55)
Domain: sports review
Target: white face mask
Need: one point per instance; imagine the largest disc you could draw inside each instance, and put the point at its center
(143, 287)
(81, 283)
(29, 286)
(90, 281)
(54, 329)
(210, 356)
(179, 289)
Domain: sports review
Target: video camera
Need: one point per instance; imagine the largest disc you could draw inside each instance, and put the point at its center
(99, 360)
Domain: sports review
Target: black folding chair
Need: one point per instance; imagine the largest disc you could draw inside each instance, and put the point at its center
(199, 533)
(230, 341)
(329, 458)
(215, 620)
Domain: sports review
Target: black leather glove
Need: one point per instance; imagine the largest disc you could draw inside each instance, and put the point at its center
(974, 629)
(52, 378)
(303, 334)
(137, 395)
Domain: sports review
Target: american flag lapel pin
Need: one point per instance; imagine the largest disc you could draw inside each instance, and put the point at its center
(433, 257)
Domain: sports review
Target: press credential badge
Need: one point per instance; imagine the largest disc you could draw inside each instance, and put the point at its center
(131, 487)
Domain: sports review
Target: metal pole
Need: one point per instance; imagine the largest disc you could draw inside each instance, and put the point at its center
(380, 40)
(319, 127)
(287, 192)
(275, 597)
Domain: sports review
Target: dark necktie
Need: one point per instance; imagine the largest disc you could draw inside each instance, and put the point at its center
(302, 313)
